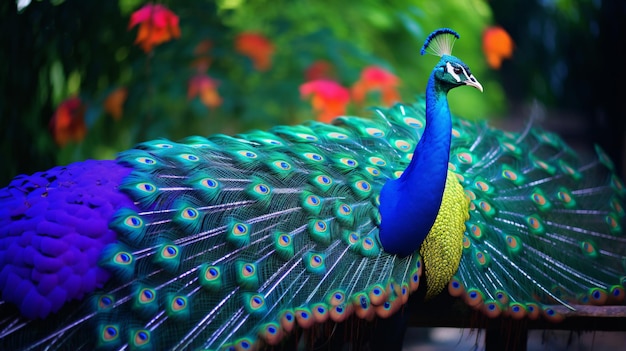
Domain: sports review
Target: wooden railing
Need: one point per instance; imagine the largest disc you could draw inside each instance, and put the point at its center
(505, 333)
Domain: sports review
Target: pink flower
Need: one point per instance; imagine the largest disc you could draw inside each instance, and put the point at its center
(374, 78)
(329, 98)
(157, 24)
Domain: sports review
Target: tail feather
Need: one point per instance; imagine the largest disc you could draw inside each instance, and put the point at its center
(231, 240)
(543, 225)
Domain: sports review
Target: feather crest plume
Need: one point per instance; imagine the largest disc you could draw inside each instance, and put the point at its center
(440, 42)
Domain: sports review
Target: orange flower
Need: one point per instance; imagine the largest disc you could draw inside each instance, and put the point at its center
(68, 122)
(497, 45)
(374, 78)
(114, 103)
(318, 70)
(157, 24)
(257, 48)
(330, 99)
(204, 87)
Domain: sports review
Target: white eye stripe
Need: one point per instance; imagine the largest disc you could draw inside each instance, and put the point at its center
(450, 70)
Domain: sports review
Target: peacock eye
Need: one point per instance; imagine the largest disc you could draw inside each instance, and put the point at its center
(458, 70)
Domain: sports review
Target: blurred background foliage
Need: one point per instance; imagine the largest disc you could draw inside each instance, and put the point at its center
(201, 83)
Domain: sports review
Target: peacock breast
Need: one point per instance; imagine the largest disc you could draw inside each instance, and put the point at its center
(443, 246)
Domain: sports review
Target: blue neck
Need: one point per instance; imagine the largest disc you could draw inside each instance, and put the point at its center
(409, 205)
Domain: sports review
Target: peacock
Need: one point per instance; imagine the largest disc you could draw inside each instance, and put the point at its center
(236, 242)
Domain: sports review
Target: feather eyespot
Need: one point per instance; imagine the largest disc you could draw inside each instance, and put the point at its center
(123, 258)
(564, 197)
(146, 160)
(313, 156)
(146, 295)
(476, 231)
(612, 221)
(209, 183)
(377, 161)
(510, 175)
(272, 142)
(313, 200)
(470, 194)
(141, 337)
(146, 187)
(375, 132)
(322, 179)
(465, 158)
(256, 301)
(321, 226)
(105, 302)
(240, 229)
(189, 157)
(353, 238)
(368, 243)
(169, 251)
(337, 298)
(212, 273)
(248, 270)
(247, 154)
(262, 189)
(373, 171)
(335, 135)
(485, 206)
(345, 209)
(402, 145)
(284, 240)
(588, 248)
(189, 213)
(348, 162)
(282, 165)
(178, 303)
(110, 333)
(133, 221)
(466, 242)
(363, 185)
(307, 137)
(413, 122)
(316, 261)
(482, 186)
(538, 199)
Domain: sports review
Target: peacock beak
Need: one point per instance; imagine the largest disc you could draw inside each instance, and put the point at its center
(473, 82)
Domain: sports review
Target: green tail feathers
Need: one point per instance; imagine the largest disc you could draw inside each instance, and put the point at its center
(544, 227)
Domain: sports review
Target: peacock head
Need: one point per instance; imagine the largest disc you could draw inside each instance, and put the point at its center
(450, 72)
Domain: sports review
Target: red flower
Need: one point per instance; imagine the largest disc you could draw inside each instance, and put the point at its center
(497, 46)
(374, 78)
(157, 24)
(204, 87)
(257, 48)
(330, 99)
(114, 102)
(68, 122)
(203, 59)
(319, 70)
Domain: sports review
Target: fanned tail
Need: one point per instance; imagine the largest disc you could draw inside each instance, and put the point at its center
(545, 228)
(235, 241)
